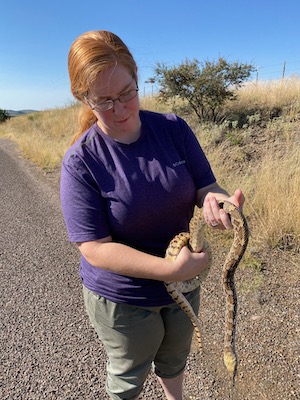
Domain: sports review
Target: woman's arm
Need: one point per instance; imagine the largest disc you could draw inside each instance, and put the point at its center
(125, 260)
(128, 261)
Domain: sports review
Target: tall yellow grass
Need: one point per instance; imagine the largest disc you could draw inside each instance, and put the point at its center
(274, 198)
(270, 96)
(43, 137)
(270, 179)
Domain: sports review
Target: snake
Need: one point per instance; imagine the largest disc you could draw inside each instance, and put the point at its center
(194, 239)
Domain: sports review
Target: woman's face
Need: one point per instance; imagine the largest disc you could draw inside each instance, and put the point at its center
(122, 121)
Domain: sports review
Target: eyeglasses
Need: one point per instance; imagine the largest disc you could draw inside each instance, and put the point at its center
(109, 104)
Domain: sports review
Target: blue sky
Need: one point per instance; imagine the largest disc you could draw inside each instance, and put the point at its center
(36, 36)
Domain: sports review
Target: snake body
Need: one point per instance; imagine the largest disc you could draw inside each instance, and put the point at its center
(195, 240)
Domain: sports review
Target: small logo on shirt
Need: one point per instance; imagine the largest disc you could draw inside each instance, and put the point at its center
(177, 163)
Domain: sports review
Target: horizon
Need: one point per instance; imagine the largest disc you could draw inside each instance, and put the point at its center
(254, 82)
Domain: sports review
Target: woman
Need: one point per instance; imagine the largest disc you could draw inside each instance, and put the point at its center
(129, 184)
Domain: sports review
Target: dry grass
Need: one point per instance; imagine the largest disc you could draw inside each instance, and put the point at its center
(151, 103)
(265, 99)
(262, 159)
(275, 190)
(283, 94)
(44, 136)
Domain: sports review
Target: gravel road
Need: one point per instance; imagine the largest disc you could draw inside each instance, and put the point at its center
(48, 349)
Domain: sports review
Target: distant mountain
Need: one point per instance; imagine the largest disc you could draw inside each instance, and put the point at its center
(13, 113)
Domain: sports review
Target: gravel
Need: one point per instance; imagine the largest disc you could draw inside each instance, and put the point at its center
(48, 349)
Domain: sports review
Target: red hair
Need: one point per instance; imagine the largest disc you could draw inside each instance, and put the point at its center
(90, 54)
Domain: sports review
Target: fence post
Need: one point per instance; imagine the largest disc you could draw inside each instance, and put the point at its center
(283, 70)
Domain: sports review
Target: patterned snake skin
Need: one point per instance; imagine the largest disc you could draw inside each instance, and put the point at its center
(196, 243)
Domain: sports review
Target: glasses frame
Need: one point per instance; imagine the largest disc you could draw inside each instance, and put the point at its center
(109, 104)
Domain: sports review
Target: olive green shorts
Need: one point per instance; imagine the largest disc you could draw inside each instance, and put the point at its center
(135, 338)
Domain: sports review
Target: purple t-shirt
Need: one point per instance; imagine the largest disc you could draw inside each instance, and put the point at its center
(142, 194)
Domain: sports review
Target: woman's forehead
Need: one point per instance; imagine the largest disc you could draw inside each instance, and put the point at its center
(111, 82)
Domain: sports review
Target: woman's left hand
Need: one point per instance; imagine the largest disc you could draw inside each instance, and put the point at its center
(215, 216)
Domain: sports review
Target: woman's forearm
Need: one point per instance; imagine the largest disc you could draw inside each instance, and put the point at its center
(128, 261)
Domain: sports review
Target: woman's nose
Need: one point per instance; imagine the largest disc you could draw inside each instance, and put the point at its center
(119, 107)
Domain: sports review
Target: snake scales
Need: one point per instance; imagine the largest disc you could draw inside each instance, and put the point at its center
(195, 240)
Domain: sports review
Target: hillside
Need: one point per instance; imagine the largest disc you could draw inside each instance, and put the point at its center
(13, 113)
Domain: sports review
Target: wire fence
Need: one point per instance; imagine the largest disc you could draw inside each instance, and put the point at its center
(277, 71)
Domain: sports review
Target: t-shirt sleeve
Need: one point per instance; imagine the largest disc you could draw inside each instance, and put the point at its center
(82, 204)
(197, 161)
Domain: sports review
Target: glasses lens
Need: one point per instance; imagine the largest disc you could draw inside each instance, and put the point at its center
(107, 105)
(128, 96)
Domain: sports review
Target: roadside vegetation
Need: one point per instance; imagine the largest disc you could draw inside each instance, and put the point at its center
(256, 146)
(4, 115)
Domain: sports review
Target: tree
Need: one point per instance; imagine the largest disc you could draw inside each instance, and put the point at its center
(204, 86)
(4, 115)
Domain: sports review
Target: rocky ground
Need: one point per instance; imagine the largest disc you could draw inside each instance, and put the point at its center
(48, 349)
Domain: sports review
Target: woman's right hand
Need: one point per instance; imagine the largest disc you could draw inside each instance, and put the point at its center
(188, 265)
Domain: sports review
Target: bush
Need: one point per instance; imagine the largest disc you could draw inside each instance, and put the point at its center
(204, 87)
(4, 115)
